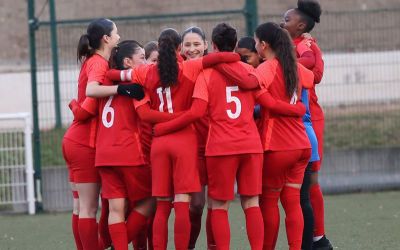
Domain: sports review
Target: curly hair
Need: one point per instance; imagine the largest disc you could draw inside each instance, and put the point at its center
(168, 43)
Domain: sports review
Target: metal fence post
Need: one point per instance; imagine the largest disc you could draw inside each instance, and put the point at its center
(33, 25)
(54, 54)
(251, 14)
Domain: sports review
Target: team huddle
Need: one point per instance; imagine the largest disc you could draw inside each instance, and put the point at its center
(170, 126)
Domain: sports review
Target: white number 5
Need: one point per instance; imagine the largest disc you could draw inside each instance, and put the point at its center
(236, 100)
(108, 110)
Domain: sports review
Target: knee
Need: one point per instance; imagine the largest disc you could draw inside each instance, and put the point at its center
(219, 204)
(249, 201)
(197, 206)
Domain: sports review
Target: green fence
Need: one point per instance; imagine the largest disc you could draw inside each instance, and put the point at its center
(360, 93)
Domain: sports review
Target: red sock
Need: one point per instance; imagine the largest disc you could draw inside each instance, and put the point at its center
(150, 232)
(255, 227)
(160, 225)
(119, 236)
(135, 223)
(195, 223)
(75, 231)
(140, 241)
(88, 233)
(209, 232)
(104, 234)
(290, 199)
(182, 225)
(317, 203)
(270, 212)
(220, 228)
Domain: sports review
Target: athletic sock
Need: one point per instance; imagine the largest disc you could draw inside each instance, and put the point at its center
(140, 241)
(308, 216)
(317, 202)
(270, 212)
(255, 227)
(290, 199)
(160, 225)
(210, 237)
(104, 234)
(88, 233)
(75, 231)
(149, 229)
(119, 236)
(134, 224)
(182, 225)
(220, 228)
(195, 223)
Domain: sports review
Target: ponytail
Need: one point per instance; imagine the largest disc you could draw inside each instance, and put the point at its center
(281, 43)
(168, 43)
(83, 50)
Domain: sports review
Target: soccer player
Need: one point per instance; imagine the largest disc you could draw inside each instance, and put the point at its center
(169, 86)
(247, 50)
(299, 21)
(233, 147)
(78, 143)
(151, 52)
(195, 45)
(286, 146)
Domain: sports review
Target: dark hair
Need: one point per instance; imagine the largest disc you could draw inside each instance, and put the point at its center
(224, 37)
(281, 43)
(310, 12)
(168, 43)
(149, 48)
(247, 42)
(124, 49)
(198, 31)
(91, 41)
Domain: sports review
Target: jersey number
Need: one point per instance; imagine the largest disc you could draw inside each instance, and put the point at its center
(108, 110)
(167, 92)
(230, 98)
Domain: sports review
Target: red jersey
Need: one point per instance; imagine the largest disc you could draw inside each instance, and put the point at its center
(118, 141)
(172, 99)
(281, 133)
(232, 129)
(315, 108)
(93, 69)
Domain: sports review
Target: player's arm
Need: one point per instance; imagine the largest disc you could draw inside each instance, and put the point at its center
(318, 70)
(149, 115)
(236, 72)
(87, 110)
(192, 68)
(196, 111)
(279, 107)
(306, 77)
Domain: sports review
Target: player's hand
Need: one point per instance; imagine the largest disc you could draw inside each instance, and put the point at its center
(301, 108)
(73, 103)
(134, 91)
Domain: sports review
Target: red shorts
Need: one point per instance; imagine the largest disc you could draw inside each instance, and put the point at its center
(223, 170)
(318, 127)
(281, 167)
(80, 162)
(174, 164)
(202, 170)
(132, 182)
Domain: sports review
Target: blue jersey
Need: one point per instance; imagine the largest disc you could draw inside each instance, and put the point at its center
(308, 125)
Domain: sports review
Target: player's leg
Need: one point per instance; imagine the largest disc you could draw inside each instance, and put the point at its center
(75, 217)
(274, 166)
(137, 181)
(197, 204)
(221, 173)
(316, 196)
(290, 198)
(249, 179)
(113, 189)
(306, 208)
(104, 234)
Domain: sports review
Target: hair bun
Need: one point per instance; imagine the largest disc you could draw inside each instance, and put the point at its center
(311, 8)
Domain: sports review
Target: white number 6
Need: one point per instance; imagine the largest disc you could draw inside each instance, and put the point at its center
(108, 110)
(236, 100)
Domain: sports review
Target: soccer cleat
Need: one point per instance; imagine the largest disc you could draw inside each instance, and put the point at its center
(322, 244)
